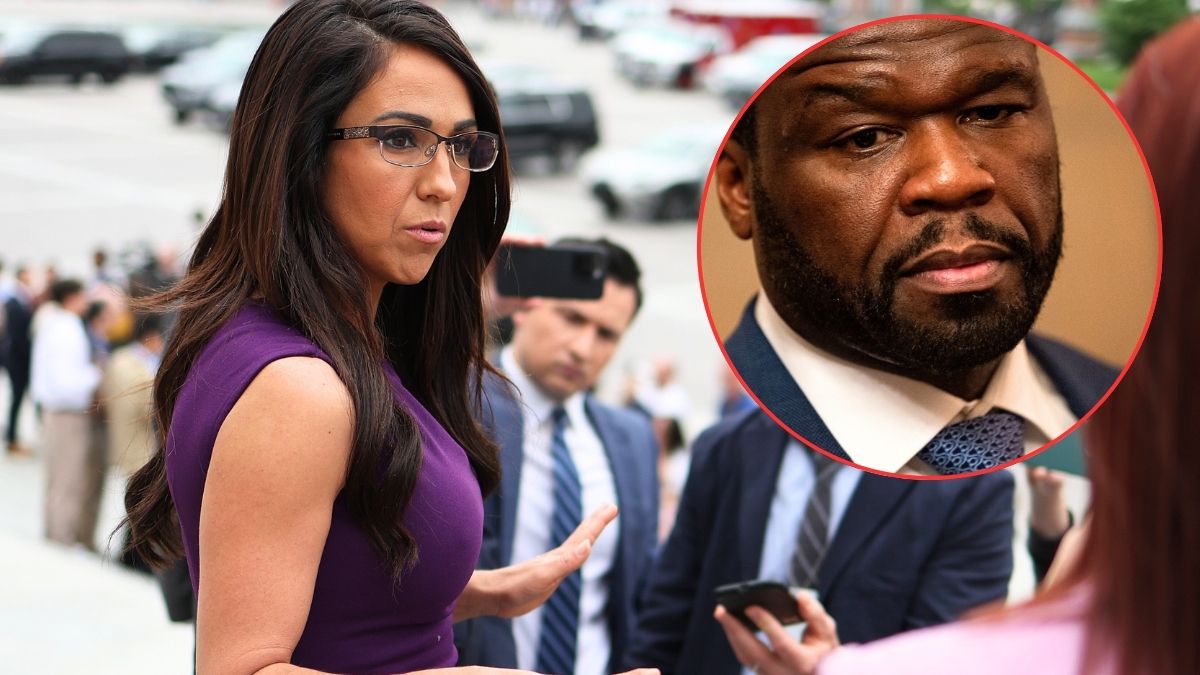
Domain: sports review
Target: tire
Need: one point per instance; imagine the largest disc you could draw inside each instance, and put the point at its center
(565, 156)
(181, 116)
(677, 203)
(110, 77)
(608, 201)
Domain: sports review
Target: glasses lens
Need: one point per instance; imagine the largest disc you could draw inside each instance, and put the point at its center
(475, 150)
(407, 146)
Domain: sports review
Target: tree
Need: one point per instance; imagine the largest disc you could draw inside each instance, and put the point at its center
(1128, 24)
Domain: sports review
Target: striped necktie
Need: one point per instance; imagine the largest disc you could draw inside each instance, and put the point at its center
(560, 614)
(813, 539)
(976, 443)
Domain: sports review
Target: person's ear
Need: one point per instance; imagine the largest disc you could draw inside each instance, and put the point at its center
(733, 189)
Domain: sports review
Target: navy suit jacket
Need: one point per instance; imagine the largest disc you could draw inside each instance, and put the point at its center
(906, 553)
(1080, 379)
(632, 456)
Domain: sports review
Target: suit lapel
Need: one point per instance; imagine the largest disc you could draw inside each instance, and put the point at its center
(771, 383)
(761, 455)
(614, 439)
(872, 502)
(509, 430)
(1080, 379)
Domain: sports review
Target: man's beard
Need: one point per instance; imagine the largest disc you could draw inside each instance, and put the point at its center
(974, 328)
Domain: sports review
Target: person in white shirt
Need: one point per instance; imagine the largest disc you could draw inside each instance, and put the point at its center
(64, 379)
(565, 454)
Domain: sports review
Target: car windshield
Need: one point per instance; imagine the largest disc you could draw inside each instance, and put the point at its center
(20, 39)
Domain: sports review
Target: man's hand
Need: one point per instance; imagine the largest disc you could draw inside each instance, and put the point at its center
(495, 305)
(785, 656)
(517, 589)
(1048, 516)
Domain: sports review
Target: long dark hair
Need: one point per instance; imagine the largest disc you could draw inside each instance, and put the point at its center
(1142, 552)
(271, 238)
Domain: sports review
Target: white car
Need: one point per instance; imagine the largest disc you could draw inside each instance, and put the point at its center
(660, 179)
(735, 77)
(605, 19)
(668, 53)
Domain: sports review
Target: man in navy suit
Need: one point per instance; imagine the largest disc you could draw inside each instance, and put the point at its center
(901, 188)
(901, 553)
(549, 426)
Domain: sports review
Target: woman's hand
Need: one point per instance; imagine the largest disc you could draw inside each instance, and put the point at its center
(517, 589)
(785, 656)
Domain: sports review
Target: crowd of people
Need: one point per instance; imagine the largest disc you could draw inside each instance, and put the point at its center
(79, 356)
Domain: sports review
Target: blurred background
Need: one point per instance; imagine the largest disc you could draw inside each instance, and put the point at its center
(113, 120)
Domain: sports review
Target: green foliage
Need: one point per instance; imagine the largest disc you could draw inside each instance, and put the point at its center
(1128, 24)
(1106, 74)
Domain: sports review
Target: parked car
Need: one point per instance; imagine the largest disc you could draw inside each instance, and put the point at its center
(188, 85)
(735, 77)
(155, 46)
(543, 115)
(667, 53)
(602, 20)
(660, 179)
(33, 51)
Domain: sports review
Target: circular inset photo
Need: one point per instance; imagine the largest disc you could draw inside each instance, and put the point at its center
(929, 246)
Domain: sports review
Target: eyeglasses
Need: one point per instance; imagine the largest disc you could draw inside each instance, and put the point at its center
(405, 145)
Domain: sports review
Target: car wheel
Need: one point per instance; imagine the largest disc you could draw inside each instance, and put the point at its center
(677, 203)
(181, 116)
(565, 155)
(608, 200)
(77, 78)
(109, 77)
(685, 78)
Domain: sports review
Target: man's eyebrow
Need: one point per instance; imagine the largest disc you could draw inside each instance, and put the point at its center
(423, 121)
(988, 80)
(851, 91)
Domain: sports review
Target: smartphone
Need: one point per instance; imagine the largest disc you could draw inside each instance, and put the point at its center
(770, 595)
(575, 271)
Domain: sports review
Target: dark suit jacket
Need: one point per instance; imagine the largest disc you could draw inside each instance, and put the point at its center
(906, 553)
(632, 456)
(1080, 379)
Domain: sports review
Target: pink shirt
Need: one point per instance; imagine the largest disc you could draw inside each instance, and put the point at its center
(1045, 640)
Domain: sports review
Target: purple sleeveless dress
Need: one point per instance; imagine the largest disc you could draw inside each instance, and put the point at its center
(358, 622)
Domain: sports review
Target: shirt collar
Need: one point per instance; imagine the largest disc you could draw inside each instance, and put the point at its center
(903, 414)
(536, 403)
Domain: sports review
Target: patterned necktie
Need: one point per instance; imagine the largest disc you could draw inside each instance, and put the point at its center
(977, 443)
(813, 539)
(560, 614)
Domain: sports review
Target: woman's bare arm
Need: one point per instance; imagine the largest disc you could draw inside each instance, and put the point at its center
(278, 463)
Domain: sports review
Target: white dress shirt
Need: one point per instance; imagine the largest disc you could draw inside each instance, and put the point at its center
(882, 420)
(793, 488)
(62, 375)
(535, 510)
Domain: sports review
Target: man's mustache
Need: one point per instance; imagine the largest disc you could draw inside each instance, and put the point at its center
(934, 233)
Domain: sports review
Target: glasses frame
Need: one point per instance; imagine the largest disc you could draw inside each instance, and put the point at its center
(376, 131)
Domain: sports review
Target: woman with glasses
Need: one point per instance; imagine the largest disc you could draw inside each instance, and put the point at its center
(321, 469)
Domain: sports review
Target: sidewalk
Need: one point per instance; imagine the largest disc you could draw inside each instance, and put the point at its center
(66, 610)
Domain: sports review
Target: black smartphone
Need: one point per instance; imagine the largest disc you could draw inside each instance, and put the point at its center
(770, 595)
(575, 271)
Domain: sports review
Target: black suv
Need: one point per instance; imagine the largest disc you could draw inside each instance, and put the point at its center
(542, 115)
(71, 53)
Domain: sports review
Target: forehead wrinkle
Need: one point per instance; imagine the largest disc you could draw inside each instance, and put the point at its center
(873, 44)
